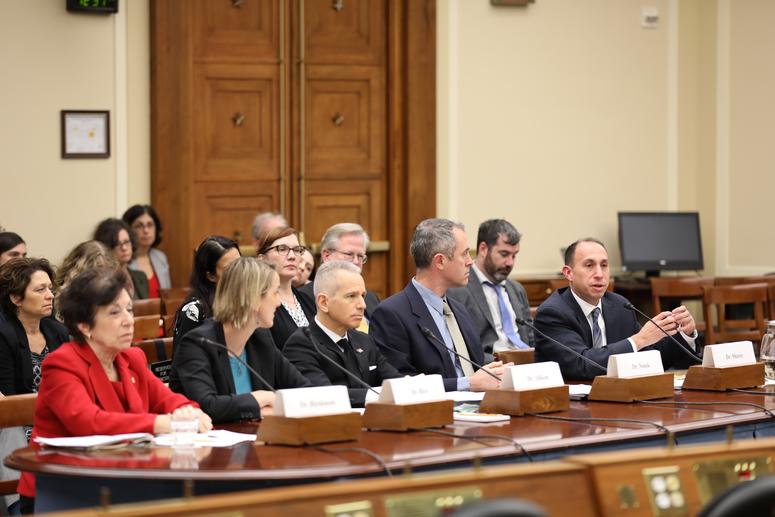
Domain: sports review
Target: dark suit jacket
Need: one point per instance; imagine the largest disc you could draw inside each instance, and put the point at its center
(140, 281)
(203, 374)
(284, 326)
(472, 296)
(561, 318)
(15, 361)
(395, 327)
(372, 367)
(372, 300)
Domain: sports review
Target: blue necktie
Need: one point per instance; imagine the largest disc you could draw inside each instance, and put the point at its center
(506, 321)
(597, 336)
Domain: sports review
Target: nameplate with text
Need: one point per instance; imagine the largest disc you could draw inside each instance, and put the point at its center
(635, 364)
(412, 390)
(724, 355)
(532, 376)
(318, 401)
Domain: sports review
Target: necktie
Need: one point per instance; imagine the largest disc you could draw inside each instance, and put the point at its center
(506, 321)
(597, 336)
(457, 339)
(350, 362)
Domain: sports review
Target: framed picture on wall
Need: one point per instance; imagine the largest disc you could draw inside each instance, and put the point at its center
(85, 134)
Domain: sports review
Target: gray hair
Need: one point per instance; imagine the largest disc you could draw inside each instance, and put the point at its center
(263, 218)
(333, 234)
(325, 278)
(433, 236)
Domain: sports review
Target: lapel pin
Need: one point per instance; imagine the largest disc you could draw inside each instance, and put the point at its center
(359, 350)
(132, 379)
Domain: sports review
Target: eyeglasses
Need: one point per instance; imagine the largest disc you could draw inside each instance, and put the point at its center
(140, 226)
(122, 244)
(284, 249)
(360, 257)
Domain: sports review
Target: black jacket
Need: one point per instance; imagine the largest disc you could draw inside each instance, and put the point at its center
(284, 326)
(202, 372)
(15, 360)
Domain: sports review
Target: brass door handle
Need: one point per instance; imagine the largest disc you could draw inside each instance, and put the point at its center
(238, 119)
(337, 119)
(236, 3)
(337, 5)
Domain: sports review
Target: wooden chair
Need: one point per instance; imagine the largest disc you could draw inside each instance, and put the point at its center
(156, 349)
(147, 307)
(719, 297)
(171, 299)
(147, 327)
(771, 301)
(15, 411)
(680, 288)
(167, 322)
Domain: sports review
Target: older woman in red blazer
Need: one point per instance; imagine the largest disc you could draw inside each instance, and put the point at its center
(98, 384)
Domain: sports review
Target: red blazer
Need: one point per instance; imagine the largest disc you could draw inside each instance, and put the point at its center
(76, 398)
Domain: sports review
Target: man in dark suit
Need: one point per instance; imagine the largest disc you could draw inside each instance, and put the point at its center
(419, 328)
(491, 298)
(340, 298)
(595, 323)
(349, 242)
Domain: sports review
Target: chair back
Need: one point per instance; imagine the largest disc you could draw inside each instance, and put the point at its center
(147, 307)
(156, 349)
(771, 301)
(679, 288)
(147, 327)
(717, 298)
(15, 411)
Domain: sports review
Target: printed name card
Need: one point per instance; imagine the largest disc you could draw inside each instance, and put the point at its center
(412, 390)
(724, 355)
(532, 376)
(318, 401)
(635, 364)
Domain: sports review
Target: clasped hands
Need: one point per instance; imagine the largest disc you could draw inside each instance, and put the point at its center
(481, 381)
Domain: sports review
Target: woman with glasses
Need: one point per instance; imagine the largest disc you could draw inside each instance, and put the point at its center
(114, 233)
(146, 235)
(280, 248)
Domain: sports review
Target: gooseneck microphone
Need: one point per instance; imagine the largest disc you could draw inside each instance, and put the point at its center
(628, 305)
(430, 335)
(307, 332)
(210, 342)
(523, 321)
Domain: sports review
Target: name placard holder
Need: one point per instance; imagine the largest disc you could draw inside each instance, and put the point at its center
(528, 388)
(726, 366)
(410, 403)
(521, 356)
(634, 376)
(310, 416)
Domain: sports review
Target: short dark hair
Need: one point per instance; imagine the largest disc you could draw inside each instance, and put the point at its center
(433, 236)
(107, 232)
(570, 251)
(492, 229)
(9, 240)
(92, 289)
(206, 258)
(135, 211)
(15, 276)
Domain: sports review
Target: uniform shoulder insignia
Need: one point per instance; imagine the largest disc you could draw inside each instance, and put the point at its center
(191, 310)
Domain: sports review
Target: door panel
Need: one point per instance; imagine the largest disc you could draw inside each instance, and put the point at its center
(228, 208)
(345, 31)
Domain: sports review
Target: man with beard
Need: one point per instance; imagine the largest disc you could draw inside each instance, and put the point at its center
(491, 297)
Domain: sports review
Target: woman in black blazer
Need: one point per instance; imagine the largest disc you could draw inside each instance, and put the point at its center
(280, 248)
(30, 333)
(204, 364)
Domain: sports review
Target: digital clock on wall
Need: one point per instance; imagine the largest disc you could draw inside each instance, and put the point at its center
(92, 6)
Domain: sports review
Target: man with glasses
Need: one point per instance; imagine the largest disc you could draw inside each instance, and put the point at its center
(348, 242)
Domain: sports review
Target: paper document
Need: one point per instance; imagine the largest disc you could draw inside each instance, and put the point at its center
(215, 438)
(97, 441)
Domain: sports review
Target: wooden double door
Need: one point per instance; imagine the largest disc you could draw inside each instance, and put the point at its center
(323, 110)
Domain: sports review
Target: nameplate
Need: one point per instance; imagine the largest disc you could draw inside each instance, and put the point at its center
(724, 355)
(412, 390)
(635, 364)
(318, 401)
(161, 369)
(532, 376)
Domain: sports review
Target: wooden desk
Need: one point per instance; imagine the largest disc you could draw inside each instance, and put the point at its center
(156, 472)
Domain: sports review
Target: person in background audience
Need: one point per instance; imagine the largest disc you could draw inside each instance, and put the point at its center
(146, 236)
(26, 294)
(87, 255)
(114, 233)
(493, 300)
(280, 248)
(11, 246)
(306, 265)
(349, 242)
(264, 223)
(98, 383)
(245, 302)
(212, 256)
(419, 328)
(339, 293)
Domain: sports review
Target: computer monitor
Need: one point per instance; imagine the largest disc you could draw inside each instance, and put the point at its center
(657, 241)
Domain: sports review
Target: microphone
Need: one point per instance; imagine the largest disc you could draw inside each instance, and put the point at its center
(206, 341)
(628, 305)
(307, 332)
(430, 335)
(523, 321)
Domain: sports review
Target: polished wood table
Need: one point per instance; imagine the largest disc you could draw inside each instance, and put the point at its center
(156, 472)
